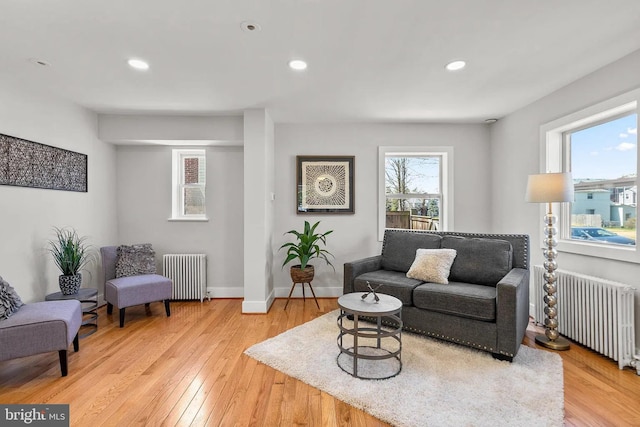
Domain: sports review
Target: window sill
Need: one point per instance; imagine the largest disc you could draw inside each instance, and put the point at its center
(618, 253)
(202, 219)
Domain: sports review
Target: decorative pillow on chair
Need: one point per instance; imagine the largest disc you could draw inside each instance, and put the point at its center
(432, 265)
(135, 260)
(10, 302)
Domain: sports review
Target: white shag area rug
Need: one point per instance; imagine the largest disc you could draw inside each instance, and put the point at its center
(441, 384)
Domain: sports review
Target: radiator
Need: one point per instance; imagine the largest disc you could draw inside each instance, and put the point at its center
(594, 312)
(188, 273)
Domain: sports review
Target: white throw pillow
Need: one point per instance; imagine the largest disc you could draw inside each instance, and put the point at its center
(432, 265)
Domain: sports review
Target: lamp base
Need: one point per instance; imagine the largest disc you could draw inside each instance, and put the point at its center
(559, 344)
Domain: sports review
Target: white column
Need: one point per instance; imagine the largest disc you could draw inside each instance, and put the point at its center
(258, 211)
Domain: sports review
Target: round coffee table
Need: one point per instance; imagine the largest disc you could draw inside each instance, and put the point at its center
(367, 350)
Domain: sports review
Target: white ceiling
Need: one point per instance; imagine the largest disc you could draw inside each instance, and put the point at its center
(369, 60)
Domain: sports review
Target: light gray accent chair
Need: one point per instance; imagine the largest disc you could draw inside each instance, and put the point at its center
(41, 327)
(484, 306)
(129, 291)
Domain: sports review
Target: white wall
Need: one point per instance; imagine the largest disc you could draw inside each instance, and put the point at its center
(515, 152)
(356, 236)
(144, 206)
(259, 207)
(27, 215)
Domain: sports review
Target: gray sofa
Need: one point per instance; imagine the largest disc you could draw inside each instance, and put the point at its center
(485, 305)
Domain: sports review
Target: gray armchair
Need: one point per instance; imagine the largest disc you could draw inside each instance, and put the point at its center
(133, 290)
(42, 327)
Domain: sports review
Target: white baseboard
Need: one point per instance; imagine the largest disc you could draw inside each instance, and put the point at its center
(228, 292)
(258, 307)
(321, 292)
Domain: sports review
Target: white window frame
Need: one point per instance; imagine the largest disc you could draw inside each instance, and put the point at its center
(446, 184)
(177, 184)
(554, 158)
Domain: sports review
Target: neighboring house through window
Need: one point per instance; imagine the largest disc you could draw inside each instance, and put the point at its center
(189, 181)
(598, 146)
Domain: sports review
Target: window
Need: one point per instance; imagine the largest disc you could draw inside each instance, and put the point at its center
(603, 162)
(415, 191)
(189, 179)
(598, 146)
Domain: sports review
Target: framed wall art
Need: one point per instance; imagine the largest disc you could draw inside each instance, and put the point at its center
(31, 164)
(325, 184)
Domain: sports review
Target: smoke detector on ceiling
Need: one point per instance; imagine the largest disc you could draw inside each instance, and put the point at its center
(250, 27)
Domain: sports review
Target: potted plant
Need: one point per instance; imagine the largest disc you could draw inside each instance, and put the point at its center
(306, 247)
(71, 254)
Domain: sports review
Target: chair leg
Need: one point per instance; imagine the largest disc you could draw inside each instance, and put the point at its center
(314, 294)
(167, 308)
(122, 317)
(109, 308)
(290, 292)
(76, 343)
(63, 362)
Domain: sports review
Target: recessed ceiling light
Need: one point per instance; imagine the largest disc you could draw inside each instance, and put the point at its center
(489, 121)
(250, 26)
(456, 65)
(138, 64)
(298, 64)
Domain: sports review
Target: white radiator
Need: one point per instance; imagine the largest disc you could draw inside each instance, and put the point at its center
(594, 312)
(188, 273)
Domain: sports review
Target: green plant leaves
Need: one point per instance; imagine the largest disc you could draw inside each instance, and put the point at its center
(70, 253)
(307, 246)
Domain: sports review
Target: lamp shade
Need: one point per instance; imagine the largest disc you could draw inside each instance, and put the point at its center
(549, 187)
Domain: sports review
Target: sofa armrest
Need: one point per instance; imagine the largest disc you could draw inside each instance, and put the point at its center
(355, 268)
(512, 311)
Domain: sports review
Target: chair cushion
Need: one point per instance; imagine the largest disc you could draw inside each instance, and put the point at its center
(460, 299)
(133, 290)
(479, 261)
(393, 283)
(40, 327)
(10, 302)
(432, 265)
(135, 260)
(399, 248)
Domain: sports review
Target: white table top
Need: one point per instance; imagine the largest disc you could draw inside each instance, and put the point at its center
(354, 303)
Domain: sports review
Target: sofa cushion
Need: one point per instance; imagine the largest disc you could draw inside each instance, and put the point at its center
(392, 283)
(399, 248)
(10, 302)
(134, 260)
(432, 265)
(459, 299)
(479, 261)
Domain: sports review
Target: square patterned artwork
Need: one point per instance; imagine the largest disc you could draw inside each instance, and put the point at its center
(325, 184)
(30, 164)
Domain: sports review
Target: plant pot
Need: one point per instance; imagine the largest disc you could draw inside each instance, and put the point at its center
(302, 276)
(69, 285)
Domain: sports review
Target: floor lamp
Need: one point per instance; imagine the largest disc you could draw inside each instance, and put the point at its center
(549, 188)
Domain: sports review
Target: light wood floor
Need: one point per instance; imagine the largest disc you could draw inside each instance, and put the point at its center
(190, 369)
